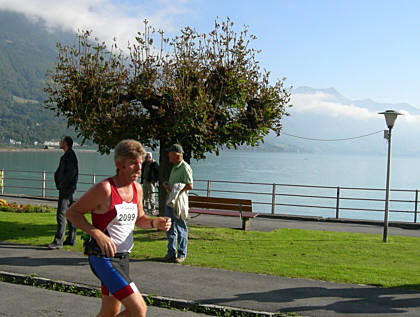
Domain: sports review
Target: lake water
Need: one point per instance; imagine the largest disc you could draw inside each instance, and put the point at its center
(254, 167)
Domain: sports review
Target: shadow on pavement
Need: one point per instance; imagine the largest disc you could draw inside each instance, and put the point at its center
(50, 261)
(352, 300)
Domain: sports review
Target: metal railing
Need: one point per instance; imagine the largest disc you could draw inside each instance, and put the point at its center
(40, 184)
(336, 200)
(269, 198)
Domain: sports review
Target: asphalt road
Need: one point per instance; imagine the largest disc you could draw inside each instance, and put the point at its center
(27, 301)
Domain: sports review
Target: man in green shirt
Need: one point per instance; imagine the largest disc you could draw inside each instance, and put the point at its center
(178, 234)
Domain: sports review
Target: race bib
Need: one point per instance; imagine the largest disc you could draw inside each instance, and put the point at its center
(126, 213)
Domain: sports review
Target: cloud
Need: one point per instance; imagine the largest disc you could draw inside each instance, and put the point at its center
(326, 104)
(408, 118)
(322, 103)
(107, 19)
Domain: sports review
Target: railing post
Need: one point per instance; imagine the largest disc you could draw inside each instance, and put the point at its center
(208, 188)
(337, 205)
(2, 181)
(43, 184)
(273, 200)
(93, 179)
(415, 206)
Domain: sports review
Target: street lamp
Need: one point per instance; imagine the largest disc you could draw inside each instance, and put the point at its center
(390, 117)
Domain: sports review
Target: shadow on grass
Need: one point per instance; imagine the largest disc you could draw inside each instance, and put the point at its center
(10, 230)
(149, 235)
(7, 245)
(149, 259)
(409, 287)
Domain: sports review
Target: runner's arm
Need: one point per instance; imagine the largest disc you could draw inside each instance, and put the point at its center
(95, 200)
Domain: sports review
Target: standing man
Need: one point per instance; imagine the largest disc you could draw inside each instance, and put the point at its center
(149, 177)
(65, 180)
(178, 234)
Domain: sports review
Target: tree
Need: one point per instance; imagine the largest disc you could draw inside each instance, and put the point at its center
(204, 91)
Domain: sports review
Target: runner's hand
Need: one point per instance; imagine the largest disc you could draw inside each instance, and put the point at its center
(164, 223)
(107, 246)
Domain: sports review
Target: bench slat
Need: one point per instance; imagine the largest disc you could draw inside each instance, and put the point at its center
(208, 205)
(230, 201)
(223, 213)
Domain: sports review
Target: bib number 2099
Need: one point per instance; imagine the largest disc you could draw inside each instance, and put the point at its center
(126, 212)
(126, 217)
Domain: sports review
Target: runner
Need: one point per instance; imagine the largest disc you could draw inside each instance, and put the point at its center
(116, 207)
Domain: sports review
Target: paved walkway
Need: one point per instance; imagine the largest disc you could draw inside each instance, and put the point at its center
(211, 286)
(25, 301)
(188, 284)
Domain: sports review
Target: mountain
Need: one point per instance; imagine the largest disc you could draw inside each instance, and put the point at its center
(27, 51)
(336, 124)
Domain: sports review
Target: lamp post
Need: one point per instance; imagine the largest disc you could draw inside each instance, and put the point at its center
(390, 117)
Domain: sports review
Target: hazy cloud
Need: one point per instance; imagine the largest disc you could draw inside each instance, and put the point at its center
(409, 118)
(107, 19)
(322, 103)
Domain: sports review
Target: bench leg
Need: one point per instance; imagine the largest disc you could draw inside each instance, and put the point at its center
(246, 223)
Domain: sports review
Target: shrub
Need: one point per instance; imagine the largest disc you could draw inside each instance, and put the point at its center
(14, 207)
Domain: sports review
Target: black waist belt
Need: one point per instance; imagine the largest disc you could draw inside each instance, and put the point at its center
(90, 247)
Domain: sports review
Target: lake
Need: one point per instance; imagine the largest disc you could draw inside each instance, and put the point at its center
(330, 170)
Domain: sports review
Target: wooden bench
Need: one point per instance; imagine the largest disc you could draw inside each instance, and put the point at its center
(217, 206)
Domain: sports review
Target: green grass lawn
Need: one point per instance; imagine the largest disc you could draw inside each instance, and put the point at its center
(330, 256)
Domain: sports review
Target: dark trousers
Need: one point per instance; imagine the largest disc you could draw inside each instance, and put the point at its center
(64, 202)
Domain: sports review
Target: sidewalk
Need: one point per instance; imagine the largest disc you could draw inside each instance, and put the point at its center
(183, 284)
(26, 301)
(187, 284)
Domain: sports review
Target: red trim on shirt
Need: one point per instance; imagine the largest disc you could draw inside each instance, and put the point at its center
(101, 221)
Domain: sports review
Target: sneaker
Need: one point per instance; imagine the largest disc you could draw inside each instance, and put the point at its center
(67, 242)
(180, 260)
(169, 258)
(54, 246)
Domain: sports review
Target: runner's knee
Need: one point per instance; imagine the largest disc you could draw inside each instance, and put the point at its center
(135, 306)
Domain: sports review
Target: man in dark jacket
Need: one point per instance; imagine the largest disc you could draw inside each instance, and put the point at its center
(149, 177)
(65, 180)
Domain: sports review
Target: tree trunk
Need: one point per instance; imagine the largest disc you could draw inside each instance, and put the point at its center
(164, 171)
(187, 157)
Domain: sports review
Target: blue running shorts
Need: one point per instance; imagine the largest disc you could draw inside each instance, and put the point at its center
(114, 275)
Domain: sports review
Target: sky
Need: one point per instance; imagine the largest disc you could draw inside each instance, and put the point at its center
(365, 49)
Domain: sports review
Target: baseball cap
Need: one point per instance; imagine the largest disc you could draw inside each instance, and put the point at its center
(177, 148)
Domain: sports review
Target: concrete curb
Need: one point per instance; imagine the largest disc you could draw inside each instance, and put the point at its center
(151, 300)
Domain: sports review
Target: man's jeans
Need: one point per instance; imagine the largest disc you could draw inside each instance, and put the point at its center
(177, 235)
(64, 202)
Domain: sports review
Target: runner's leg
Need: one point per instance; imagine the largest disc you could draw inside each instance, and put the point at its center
(135, 306)
(110, 306)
